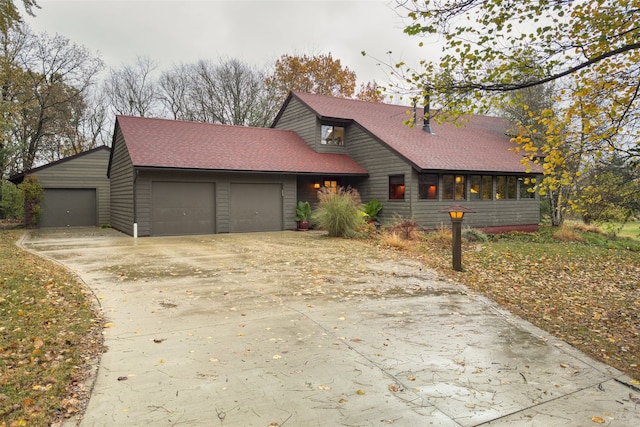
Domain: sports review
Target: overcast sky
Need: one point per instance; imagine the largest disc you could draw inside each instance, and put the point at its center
(254, 31)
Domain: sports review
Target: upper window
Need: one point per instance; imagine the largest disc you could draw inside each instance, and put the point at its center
(428, 186)
(453, 187)
(396, 187)
(332, 135)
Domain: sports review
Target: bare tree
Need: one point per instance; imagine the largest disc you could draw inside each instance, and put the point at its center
(132, 89)
(230, 92)
(174, 92)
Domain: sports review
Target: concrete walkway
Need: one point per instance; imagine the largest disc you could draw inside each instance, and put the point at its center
(295, 329)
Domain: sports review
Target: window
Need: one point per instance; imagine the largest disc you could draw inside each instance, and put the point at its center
(332, 135)
(428, 186)
(396, 187)
(480, 187)
(331, 185)
(453, 187)
(527, 187)
(506, 187)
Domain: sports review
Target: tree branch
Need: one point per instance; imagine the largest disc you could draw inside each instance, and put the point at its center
(500, 87)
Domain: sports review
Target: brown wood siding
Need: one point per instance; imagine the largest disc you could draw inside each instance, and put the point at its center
(380, 162)
(298, 118)
(121, 180)
(222, 182)
(85, 171)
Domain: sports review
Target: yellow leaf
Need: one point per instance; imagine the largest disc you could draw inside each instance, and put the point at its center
(360, 392)
(597, 419)
(108, 325)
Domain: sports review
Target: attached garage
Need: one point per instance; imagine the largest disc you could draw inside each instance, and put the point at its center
(180, 208)
(69, 207)
(171, 177)
(255, 207)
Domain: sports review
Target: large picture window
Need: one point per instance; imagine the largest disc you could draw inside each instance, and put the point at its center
(428, 186)
(332, 135)
(396, 187)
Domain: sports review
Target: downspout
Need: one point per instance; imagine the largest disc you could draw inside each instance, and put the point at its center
(135, 204)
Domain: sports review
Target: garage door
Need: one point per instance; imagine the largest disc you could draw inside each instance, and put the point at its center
(69, 207)
(180, 208)
(255, 207)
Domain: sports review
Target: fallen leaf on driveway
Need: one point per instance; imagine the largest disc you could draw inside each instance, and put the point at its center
(597, 419)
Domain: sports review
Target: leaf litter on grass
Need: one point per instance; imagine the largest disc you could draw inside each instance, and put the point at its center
(50, 332)
(584, 294)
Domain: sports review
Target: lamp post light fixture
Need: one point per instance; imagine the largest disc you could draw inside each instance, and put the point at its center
(456, 213)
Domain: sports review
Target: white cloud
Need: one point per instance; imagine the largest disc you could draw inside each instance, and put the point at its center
(254, 31)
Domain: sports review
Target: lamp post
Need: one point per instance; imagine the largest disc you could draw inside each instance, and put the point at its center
(456, 213)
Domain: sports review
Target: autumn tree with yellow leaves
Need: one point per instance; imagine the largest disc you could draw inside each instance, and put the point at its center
(589, 49)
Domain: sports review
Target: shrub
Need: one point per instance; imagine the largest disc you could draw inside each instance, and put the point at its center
(474, 235)
(567, 234)
(372, 209)
(303, 211)
(440, 238)
(338, 212)
(11, 202)
(393, 240)
(32, 193)
(405, 228)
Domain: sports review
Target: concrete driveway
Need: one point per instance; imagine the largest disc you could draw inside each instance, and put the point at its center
(296, 329)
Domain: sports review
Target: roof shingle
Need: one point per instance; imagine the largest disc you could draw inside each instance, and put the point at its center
(481, 145)
(178, 144)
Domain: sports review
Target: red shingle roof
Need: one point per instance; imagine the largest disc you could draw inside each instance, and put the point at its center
(481, 145)
(191, 145)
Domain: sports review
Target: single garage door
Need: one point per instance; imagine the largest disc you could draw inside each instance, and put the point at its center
(69, 207)
(180, 208)
(255, 207)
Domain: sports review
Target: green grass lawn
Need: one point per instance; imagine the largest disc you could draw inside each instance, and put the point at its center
(49, 333)
(631, 230)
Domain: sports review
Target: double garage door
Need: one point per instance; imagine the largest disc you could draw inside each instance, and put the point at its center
(69, 207)
(181, 208)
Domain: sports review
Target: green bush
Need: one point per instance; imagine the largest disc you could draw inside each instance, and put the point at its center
(338, 212)
(474, 235)
(303, 211)
(32, 193)
(11, 202)
(372, 209)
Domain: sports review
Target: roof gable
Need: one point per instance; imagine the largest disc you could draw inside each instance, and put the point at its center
(480, 145)
(19, 177)
(178, 144)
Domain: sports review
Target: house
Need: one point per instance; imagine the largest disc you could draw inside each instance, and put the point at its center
(172, 177)
(76, 189)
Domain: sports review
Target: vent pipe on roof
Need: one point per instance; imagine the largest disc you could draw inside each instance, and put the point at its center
(426, 126)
